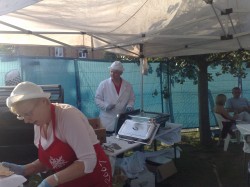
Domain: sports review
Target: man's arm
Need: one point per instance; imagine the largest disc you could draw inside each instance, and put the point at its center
(99, 98)
(247, 109)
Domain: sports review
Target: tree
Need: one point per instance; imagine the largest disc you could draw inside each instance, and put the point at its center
(196, 68)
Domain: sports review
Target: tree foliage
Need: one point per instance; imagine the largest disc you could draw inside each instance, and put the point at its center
(195, 68)
(8, 50)
(186, 67)
(182, 68)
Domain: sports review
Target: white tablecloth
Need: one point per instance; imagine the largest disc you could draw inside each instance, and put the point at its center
(12, 181)
(170, 134)
(124, 144)
(244, 128)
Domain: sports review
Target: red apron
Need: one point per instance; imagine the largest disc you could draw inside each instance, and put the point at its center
(60, 155)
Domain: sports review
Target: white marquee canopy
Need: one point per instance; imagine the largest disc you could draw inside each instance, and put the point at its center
(162, 27)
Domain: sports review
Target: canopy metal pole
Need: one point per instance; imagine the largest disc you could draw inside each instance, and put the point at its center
(161, 83)
(141, 66)
(77, 81)
(142, 103)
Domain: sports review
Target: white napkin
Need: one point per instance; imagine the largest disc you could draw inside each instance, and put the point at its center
(12, 181)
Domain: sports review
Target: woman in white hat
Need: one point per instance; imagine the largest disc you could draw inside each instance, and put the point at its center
(114, 96)
(66, 143)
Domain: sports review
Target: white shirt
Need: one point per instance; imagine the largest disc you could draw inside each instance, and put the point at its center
(237, 103)
(72, 127)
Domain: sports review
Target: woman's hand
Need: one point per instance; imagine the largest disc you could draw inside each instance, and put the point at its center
(17, 169)
(109, 107)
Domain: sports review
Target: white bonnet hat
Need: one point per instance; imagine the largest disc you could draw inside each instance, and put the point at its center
(25, 91)
(117, 65)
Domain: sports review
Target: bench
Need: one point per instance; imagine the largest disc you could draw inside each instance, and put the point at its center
(15, 135)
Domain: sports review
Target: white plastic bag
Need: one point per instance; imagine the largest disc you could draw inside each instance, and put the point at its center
(133, 165)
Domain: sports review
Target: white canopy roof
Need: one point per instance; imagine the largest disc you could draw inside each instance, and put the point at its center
(163, 27)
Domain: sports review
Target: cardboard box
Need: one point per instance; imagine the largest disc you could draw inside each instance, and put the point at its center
(162, 171)
(119, 178)
(95, 123)
(99, 130)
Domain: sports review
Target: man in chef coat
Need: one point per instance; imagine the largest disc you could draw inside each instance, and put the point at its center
(114, 96)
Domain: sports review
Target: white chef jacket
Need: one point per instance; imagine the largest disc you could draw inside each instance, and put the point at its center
(106, 94)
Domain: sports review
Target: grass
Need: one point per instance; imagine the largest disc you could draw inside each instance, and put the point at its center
(210, 166)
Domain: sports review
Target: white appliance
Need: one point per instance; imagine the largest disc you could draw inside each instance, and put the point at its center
(138, 131)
